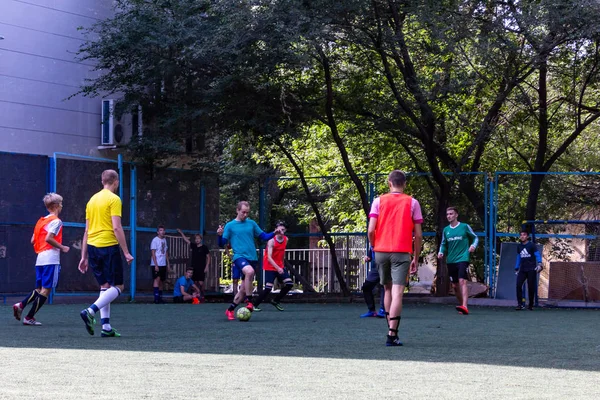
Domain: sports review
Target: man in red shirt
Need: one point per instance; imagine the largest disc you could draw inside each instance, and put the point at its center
(395, 218)
(273, 265)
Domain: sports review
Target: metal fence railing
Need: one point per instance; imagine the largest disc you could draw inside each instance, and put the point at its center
(314, 265)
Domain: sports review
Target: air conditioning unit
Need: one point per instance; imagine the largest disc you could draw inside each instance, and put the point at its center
(118, 127)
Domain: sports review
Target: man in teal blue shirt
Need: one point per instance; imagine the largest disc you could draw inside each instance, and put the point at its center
(185, 290)
(458, 242)
(240, 233)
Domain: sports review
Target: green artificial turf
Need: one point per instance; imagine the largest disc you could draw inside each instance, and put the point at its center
(309, 351)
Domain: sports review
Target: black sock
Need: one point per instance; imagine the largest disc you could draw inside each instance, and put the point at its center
(30, 297)
(283, 292)
(232, 306)
(37, 304)
(263, 295)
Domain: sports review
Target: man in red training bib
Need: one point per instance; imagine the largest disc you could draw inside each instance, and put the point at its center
(273, 265)
(47, 243)
(394, 220)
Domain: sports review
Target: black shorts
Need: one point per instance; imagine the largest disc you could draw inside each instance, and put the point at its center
(458, 271)
(162, 273)
(179, 300)
(270, 276)
(198, 275)
(106, 264)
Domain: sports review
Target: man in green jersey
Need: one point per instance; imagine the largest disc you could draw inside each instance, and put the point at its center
(458, 241)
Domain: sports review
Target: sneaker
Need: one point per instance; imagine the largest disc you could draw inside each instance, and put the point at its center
(31, 321)
(17, 311)
(88, 320)
(277, 305)
(111, 333)
(256, 309)
(530, 308)
(381, 313)
(250, 306)
(230, 315)
(393, 341)
(369, 314)
(462, 310)
(519, 308)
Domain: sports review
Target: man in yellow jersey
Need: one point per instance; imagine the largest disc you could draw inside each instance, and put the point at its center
(100, 249)
(394, 219)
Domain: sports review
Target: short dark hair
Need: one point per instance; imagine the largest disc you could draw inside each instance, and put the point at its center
(452, 208)
(280, 223)
(397, 178)
(524, 231)
(189, 269)
(198, 235)
(160, 226)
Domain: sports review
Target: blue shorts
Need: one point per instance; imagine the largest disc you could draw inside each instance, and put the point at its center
(106, 264)
(239, 264)
(46, 276)
(270, 276)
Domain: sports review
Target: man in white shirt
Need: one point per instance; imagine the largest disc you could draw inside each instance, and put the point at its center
(159, 262)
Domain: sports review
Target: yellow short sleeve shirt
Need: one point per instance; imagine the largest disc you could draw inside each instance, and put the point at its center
(99, 212)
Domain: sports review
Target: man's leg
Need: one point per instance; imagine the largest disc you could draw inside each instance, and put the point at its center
(20, 306)
(162, 277)
(521, 277)
(531, 287)
(464, 291)
(38, 302)
(263, 294)
(248, 284)
(236, 274)
(395, 314)
(457, 292)
(108, 270)
(400, 264)
(367, 289)
(288, 284)
(156, 285)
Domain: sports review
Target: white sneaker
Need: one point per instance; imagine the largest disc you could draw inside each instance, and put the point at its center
(17, 311)
(31, 321)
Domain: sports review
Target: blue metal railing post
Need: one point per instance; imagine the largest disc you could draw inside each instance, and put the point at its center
(262, 200)
(133, 232)
(202, 209)
(120, 166)
(51, 187)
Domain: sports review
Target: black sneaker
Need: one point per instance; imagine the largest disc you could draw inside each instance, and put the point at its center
(519, 308)
(277, 305)
(530, 308)
(393, 341)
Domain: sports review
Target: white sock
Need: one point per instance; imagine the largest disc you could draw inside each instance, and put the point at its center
(105, 315)
(106, 297)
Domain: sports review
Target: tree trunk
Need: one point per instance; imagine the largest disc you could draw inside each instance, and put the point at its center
(442, 281)
(535, 185)
(322, 226)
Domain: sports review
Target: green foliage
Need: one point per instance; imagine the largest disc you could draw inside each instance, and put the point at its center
(361, 87)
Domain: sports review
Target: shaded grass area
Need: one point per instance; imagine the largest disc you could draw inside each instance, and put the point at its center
(322, 348)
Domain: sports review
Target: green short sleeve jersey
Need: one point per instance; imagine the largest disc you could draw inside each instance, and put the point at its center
(456, 242)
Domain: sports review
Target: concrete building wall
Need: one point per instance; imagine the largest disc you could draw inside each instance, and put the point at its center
(38, 71)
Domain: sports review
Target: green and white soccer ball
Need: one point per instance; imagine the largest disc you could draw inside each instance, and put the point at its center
(243, 314)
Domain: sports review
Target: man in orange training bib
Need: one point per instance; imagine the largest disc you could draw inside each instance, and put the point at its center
(394, 220)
